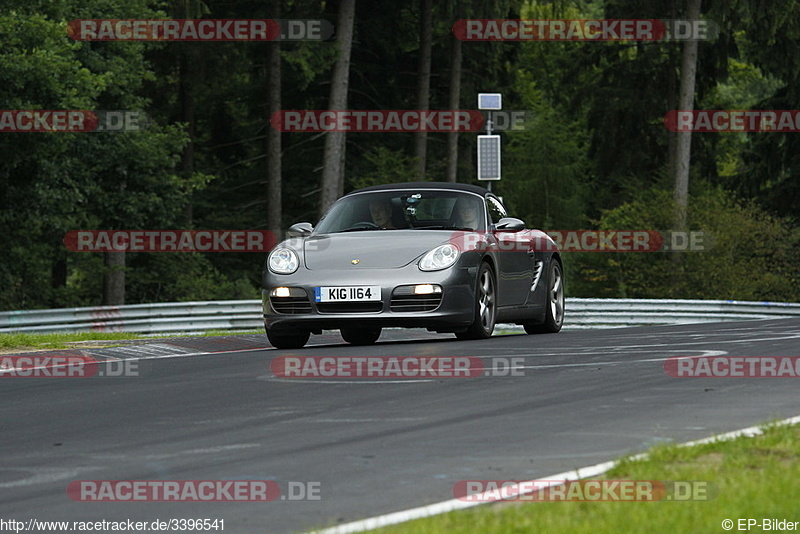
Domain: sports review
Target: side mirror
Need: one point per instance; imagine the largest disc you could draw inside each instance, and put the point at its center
(509, 224)
(300, 229)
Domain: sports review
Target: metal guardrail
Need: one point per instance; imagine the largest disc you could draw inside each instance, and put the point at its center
(638, 312)
(173, 317)
(168, 317)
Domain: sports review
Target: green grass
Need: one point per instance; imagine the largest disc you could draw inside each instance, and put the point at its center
(214, 333)
(753, 478)
(25, 341)
(57, 341)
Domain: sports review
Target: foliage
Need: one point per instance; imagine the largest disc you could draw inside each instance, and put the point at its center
(55, 182)
(389, 166)
(746, 253)
(594, 154)
(160, 277)
(546, 175)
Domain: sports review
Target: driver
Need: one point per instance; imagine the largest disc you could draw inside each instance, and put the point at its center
(381, 212)
(468, 215)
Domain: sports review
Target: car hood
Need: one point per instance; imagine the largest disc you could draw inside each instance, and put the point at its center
(376, 249)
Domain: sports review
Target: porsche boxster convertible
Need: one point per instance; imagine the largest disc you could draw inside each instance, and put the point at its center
(440, 256)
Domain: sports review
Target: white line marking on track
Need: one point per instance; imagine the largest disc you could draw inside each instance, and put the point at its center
(557, 480)
(708, 353)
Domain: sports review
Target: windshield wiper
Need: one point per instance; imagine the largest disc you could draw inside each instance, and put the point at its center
(443, 227)
(364, 229)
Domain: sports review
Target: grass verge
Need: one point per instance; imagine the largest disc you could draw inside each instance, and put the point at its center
(749, 478)
(26, 341)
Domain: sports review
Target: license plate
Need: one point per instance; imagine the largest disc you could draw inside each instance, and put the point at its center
(347, 293)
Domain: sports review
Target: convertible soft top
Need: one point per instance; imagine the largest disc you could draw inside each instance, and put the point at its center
(426, 185)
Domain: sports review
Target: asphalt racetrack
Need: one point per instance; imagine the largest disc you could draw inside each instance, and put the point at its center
(211, 409)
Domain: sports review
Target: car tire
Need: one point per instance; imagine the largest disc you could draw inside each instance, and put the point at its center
(554, 314)
(361, 336)
(294, 340)
(485, 306)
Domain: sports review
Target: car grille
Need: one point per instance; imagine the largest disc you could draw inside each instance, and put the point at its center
(405, 300)
(291, 305)
(416, 303)
(349, 307)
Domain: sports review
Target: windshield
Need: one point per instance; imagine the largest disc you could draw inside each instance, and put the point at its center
(422, 209)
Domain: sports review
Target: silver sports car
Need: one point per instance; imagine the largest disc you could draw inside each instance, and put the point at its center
(440, 256)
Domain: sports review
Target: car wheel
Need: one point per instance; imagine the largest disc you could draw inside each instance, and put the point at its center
(294, 340)
(485, 306)
(361, 336)
(554, 315)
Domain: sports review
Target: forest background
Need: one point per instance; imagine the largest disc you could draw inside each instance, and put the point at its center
(595, 153)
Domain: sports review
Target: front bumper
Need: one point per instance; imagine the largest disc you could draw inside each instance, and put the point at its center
(454, 312)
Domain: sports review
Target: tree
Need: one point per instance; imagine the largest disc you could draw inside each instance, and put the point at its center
(274, 159)
(423, 81)
(767, 268)
(53, 183)
(333, 164)
(684, 139)
(454, 100)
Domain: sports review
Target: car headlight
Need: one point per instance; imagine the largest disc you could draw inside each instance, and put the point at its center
(439, 258)
(283, 261)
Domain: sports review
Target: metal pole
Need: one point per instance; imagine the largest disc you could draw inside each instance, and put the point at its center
(489, 132)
